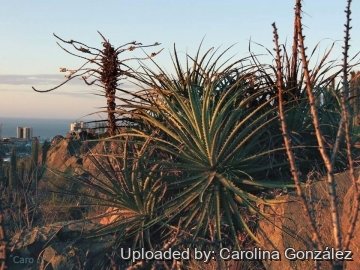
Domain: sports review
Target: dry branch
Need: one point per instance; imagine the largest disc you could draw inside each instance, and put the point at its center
(288, 145)
(337, 234)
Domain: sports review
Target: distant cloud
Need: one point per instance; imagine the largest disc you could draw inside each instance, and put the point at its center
(35, 80)
(17, 84)
(50, 80)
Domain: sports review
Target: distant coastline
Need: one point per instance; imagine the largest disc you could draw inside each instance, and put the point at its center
(43, 128)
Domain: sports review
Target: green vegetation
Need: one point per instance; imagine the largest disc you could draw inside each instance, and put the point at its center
(209, 146)
(13, 178)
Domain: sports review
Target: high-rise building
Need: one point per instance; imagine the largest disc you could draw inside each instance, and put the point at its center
(19, 132)
(27, 133)
(24, 133)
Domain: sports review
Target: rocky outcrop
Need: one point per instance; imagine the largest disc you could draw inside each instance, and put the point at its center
(64, 154)
(286, 225)
(69, 154)
(64, 245)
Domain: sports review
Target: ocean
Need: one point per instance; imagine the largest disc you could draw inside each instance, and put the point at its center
(43, 128)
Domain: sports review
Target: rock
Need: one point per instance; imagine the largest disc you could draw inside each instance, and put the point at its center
(63, 245)
(66, 156)
(70, 155)
(287, 225)
(59, 154)
(59, 257)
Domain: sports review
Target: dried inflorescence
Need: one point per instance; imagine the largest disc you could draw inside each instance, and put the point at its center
(103, 68)
(328, 155)
(109, 75)
(288, 144)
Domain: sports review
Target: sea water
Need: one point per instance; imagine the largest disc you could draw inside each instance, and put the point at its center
(45, 129)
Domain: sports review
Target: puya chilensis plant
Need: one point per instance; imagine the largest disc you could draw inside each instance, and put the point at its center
(212, 119)
(296, 106)
(127, 185)
(205, 128)
(328, 154)
(103, 68)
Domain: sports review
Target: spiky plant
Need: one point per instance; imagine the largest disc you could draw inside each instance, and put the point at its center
(213, 120)
(328, 143)
(127, 185)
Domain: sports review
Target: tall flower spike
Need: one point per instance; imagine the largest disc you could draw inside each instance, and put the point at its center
(102, 67)
(288, 145)
(337, 235)
(346, 113)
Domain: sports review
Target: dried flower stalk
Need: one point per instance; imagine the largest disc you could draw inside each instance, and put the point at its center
(337, 234)
(345, 115)
(288, 145)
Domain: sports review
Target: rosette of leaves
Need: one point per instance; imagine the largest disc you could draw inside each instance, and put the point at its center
(127, 185)
(301, 130)
(214, 120)
(323, 76)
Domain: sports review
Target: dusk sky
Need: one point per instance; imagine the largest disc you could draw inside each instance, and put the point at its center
(29, 54)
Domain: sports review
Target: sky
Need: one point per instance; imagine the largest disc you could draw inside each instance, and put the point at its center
(29, 55)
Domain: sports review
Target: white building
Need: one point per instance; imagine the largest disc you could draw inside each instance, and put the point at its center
(19, 132)
(24, 133)
(78, 126)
